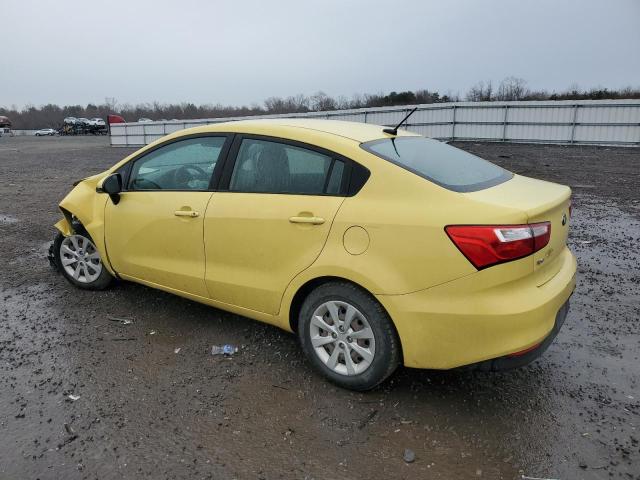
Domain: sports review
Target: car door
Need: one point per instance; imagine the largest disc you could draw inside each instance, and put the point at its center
(269, 220)
(154, 234)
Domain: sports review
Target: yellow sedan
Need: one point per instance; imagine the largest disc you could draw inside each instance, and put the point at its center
(378, 247)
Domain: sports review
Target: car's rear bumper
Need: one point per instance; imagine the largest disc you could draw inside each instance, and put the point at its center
(481, 318)
(520, 359)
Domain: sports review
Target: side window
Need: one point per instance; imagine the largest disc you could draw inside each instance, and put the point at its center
(182, 165)
(270, 167)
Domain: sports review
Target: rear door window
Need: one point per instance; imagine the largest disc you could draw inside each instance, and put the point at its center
(442, 164)
(271, 167)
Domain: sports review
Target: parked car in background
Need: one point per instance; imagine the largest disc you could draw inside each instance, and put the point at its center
(97, 122)
(46, 132)
(144, 120)
(378, 247)
(5, 132)
(70, 120)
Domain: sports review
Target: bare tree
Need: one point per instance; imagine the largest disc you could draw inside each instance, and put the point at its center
(481, 92)
(512, 88)
(321, 102)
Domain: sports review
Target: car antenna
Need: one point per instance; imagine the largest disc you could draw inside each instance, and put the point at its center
(394, 130)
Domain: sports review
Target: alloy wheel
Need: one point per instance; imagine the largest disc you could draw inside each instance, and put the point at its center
(342, 338)
(80, 258)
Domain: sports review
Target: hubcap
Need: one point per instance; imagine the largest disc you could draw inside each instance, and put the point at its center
(80, 258)
(342, 338)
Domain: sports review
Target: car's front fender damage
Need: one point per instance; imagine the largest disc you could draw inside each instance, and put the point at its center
(84, 207)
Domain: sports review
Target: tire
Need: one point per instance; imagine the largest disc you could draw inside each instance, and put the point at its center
(91, 273)
(371, 342)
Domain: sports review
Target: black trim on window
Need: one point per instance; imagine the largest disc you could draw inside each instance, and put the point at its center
(328, 179)
(124, 172)
(357, 179)
(127, 168)
(352, 170)
(353, 178)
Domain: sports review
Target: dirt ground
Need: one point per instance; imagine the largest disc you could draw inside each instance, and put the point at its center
(145, 411)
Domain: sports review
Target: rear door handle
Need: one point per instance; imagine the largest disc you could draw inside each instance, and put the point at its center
(186, 213)
(310, 220)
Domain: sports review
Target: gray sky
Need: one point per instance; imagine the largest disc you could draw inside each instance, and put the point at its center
(242, 51)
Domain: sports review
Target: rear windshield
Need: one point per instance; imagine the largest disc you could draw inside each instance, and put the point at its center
(444, 165)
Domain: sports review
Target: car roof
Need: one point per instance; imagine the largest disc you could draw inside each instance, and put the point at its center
(357, 131)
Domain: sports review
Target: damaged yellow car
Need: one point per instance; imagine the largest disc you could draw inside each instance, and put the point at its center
(377, 246)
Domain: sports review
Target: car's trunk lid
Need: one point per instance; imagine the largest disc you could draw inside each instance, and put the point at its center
(541, 202)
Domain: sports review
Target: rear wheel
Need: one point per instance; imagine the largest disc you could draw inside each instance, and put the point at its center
(79, 261)
(348, 336)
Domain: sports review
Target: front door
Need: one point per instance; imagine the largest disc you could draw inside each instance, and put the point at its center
(271, 223)
(155, 233)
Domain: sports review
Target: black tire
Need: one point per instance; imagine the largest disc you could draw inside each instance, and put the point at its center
(100, 283)
(387, 354)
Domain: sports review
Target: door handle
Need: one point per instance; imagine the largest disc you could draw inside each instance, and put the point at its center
(186, 213)
(310, 220)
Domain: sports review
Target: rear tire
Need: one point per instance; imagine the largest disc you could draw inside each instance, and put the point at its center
(79, 261)
(348, 336)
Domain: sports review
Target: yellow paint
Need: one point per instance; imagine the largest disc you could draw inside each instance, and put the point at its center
(243, 254)
(356, 240)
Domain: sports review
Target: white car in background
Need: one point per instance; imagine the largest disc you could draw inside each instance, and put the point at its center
(97, 122)
(46, 132)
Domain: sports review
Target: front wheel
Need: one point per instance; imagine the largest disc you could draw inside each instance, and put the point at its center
(79, 261)
(348, 337)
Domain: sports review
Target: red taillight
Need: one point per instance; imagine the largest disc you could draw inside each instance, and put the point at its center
(486, 245)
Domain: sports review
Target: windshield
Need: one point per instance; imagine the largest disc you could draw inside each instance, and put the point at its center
(442, 164)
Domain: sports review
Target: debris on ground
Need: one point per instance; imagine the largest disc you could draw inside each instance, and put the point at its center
(409, 455)
(73, 397)
(226, 350)
(124, 321)
(152, 332)
(71, 436)
(368, 419)
(524, 477)
(176, 351)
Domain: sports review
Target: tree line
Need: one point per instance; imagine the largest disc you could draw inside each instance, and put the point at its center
(511, 88)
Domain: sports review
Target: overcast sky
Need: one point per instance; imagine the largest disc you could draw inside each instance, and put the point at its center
(243, 51)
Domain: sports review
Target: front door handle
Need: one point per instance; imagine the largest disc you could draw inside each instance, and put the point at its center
(186, 213)
(310, 220)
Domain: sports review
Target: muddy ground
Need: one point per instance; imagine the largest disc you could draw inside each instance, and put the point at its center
(145, 411)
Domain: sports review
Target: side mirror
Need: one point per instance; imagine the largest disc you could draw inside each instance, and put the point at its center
(113, 186)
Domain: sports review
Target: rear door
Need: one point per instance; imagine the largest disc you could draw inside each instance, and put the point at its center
(270, 219)
(155, 232)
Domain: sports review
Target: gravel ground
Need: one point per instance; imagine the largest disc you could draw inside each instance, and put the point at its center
(145, 411)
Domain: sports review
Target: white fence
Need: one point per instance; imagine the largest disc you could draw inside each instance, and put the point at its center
(601, 122)
(18, 133)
